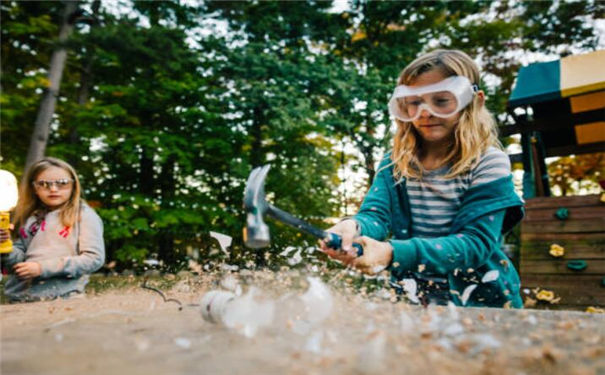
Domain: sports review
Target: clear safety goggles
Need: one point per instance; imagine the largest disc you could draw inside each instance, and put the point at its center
(441, 99)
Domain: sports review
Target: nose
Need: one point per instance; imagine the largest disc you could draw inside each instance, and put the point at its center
(425, 113)
(53, 187)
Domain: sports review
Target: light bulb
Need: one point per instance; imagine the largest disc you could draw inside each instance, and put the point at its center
(8, 191)
(8, 199)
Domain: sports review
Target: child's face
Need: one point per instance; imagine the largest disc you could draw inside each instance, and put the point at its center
(53, 186)
(432, 129)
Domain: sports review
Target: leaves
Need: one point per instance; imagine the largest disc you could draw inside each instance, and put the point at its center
(175, 117)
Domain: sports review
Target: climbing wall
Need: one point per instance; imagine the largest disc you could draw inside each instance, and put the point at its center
(562, 262)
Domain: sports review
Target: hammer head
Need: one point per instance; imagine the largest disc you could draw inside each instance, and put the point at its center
(256, 232)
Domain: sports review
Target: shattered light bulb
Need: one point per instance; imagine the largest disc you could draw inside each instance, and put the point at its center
(245, 314)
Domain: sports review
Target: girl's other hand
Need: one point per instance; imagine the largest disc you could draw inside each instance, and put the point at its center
(376, 257)
(4, 235)
(27, 270)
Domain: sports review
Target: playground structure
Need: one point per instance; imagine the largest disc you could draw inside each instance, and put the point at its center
(558, 107)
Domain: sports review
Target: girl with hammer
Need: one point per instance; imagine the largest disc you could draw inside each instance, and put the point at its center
(442, 197)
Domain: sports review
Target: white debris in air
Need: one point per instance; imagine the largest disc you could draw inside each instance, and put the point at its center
(246, 315)
(308, 310)
(231, 283)
(467, 293)
(227, 267)
(223, 240)
(483, 342)
(490, 276)
(313, 343)
(406, 323)
(318, 300)
(142, 344)
(372, 354)
(451, 307)
(295, 259)
(182, 342)
(453, 329)
(287, 251)
(411, 289)
(532, 320)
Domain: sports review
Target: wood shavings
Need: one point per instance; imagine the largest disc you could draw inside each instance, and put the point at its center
(529, 302)
(566, 325)
(595, 310)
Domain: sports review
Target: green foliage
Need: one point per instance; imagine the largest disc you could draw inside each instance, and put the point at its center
(164, 123)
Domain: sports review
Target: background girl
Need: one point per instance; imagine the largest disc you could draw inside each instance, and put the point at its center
(59, 239)
(444, 193)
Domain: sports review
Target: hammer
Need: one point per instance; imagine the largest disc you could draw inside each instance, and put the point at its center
(256, 232)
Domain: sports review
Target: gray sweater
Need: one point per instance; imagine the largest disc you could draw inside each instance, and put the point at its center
(66, 255)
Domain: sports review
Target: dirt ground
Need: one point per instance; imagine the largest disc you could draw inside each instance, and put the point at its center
(133, 331)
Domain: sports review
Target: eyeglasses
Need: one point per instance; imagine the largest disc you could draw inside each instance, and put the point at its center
(61, 184)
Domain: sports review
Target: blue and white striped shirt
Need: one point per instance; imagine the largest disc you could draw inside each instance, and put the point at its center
(435, 201)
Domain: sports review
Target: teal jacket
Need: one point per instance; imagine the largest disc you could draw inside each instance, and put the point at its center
(465, 255)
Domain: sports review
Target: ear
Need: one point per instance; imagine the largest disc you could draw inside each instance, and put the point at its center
(480, 98)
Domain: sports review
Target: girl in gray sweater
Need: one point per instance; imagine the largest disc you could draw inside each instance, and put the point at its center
(59, 240)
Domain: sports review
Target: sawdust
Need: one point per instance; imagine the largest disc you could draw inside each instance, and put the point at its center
(133, 331)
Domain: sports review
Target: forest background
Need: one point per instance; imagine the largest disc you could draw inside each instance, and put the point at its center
(166, 106)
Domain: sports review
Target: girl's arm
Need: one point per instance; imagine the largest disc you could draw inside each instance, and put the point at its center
(469, 248)
(374, 216)
(17, 255)
(91, 254)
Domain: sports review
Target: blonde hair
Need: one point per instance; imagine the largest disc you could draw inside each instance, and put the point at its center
(30, 204)
(476, 129)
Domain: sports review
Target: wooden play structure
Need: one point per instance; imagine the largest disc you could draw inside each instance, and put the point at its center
(558, 107)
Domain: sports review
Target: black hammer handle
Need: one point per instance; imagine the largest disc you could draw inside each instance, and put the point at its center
(332, 240)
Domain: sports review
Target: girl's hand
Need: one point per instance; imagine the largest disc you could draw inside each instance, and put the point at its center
(4, 235)
(376, 256)
(347, 229)
(27, 270)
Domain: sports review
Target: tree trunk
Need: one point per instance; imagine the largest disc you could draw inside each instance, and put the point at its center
(167, 183)
(37, 146)
(256, 154)
(84, 89)
(146, 180)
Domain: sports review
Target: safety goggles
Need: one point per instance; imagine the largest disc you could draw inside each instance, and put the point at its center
(441, 99)
(48, 184)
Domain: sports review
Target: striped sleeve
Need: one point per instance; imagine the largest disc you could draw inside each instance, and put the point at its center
(494, 164)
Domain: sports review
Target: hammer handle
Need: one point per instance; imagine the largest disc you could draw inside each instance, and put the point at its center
(335, 242)
(332, 240)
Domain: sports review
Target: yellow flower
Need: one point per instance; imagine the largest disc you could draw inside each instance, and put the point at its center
(545, 295)
(556, 250)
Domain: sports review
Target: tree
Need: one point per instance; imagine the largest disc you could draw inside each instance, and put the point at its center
(39, 137)
(28, 30)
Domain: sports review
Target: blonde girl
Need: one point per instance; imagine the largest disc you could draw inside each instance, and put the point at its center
(59, 237)
(442, 198)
